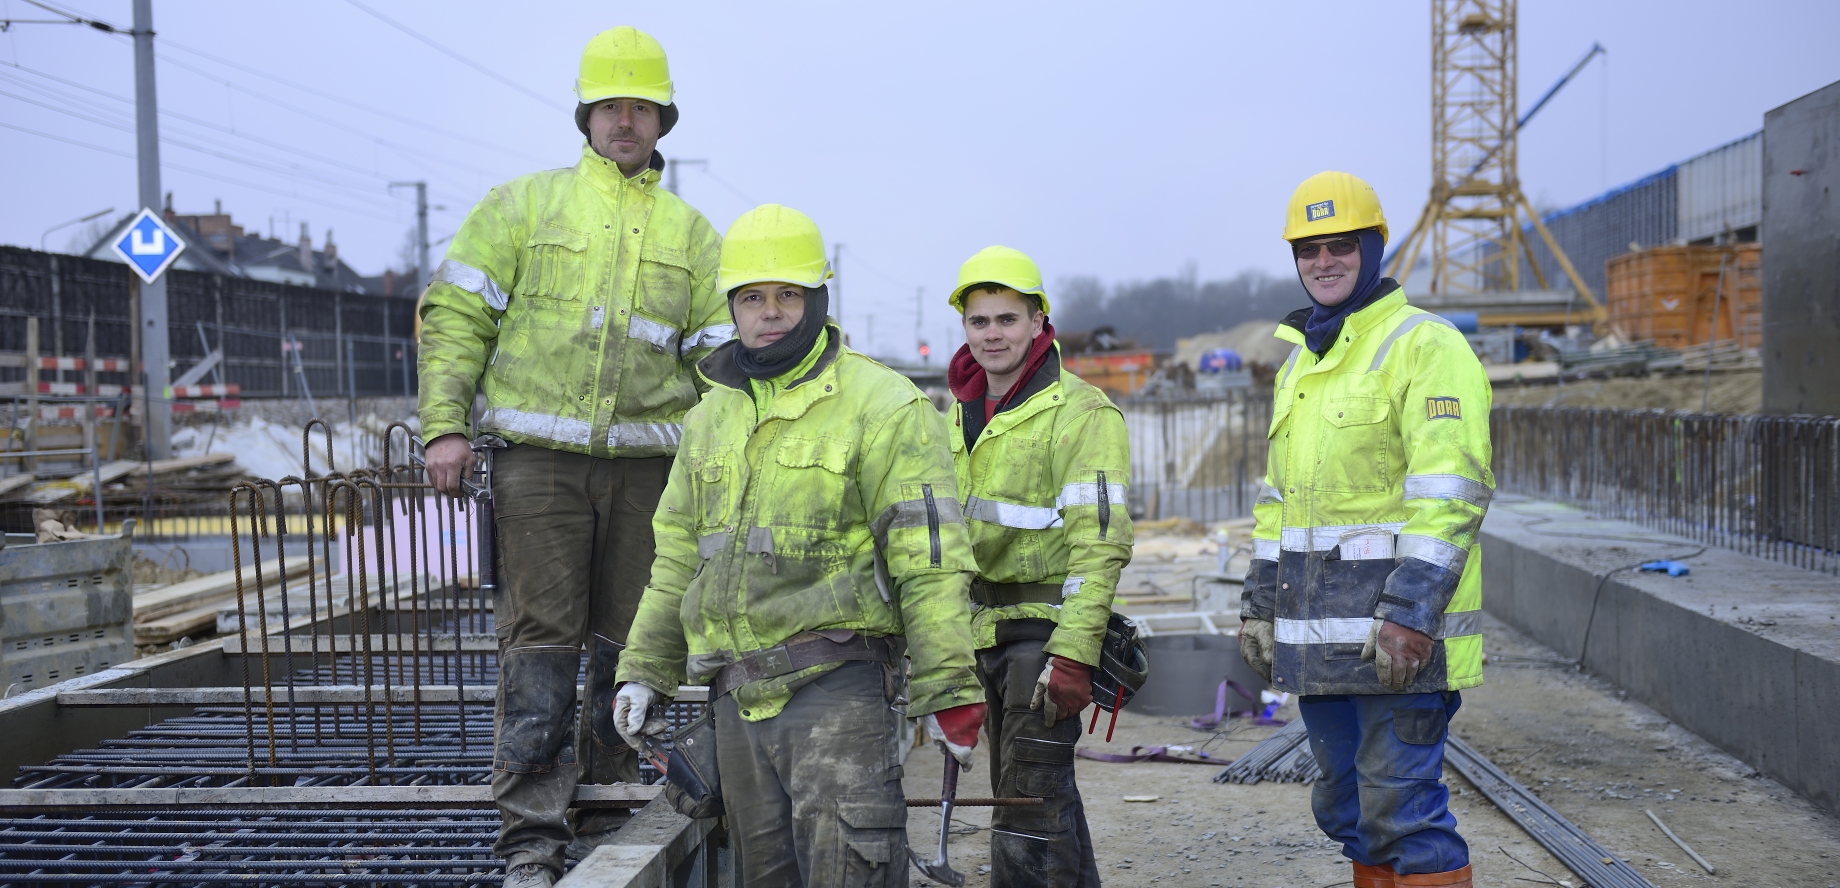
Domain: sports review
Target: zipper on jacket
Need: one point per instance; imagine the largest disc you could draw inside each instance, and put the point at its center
(932, 519)
(1105, 507)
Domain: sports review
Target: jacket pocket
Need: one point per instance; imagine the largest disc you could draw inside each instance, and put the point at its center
(813, 480)
(1016, 474)
(554, 265)
(1355, 444)
(664, 282)
(709, 483)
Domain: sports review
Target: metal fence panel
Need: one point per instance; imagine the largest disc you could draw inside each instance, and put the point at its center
(1763, 485)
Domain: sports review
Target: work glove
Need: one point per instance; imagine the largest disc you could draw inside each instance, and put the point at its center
(956, 730)
(1256, 646)
(1063, 690)
(633, 716)
(1398, 653)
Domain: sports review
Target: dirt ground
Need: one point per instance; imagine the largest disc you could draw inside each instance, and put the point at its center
(1596, 757)
(1739, 391)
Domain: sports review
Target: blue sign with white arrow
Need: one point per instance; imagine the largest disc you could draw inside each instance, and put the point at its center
(149, 246)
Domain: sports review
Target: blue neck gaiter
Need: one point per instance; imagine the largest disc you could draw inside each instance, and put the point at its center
(1326, 320)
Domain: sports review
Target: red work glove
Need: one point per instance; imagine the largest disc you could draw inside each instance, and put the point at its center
(1064, 689)
(956, 730)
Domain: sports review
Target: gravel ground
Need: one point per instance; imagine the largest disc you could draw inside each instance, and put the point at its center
(1596, 757)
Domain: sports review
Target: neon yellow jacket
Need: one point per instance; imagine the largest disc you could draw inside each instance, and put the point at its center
(837, 510)
(1377, 484)
(584, 299)
(1045, 485)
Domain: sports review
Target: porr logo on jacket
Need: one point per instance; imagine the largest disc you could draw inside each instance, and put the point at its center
(1317, 212)
(1443, 408)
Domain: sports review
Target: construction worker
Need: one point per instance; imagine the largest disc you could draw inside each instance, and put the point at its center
(810, 537)
(1365, 592)
(1043, 462)
(581, 299)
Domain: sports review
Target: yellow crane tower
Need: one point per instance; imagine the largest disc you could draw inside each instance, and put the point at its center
(1473, 219)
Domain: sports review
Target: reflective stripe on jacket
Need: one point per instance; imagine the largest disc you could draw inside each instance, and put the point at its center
(1373, 500)
(1045, 485)
(838, 510)
(582, 299)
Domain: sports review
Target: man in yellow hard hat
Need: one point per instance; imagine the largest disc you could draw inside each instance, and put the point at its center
(1044, 463)
(581, 299)
(1365, 591)
(809, 539)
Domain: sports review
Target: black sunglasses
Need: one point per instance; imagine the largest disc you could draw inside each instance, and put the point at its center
(1339, 247)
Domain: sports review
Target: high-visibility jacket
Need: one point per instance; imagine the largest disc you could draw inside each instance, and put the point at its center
(837, 510)
(1045, 484)
(1373, 500)
(583, 298)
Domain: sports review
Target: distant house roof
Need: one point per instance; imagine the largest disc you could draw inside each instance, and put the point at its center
(215, 245)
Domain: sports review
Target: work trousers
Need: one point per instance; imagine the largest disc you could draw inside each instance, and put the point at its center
(813, 795)
(575, 548)
(1047, 844)
(1382, 793)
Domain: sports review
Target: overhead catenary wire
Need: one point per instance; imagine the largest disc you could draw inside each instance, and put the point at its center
(470, 63)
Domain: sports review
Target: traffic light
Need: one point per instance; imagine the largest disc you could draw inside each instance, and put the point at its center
(925, 350)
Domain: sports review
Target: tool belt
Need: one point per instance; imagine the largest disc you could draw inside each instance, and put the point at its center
(803, 651)
(1012, 594)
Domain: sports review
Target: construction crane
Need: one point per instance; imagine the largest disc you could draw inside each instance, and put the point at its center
(1473, 220)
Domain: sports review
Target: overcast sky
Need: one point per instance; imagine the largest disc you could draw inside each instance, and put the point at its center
(1104, 139)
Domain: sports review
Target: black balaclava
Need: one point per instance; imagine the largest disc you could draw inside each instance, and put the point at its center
(781, 356)
(1325, 321)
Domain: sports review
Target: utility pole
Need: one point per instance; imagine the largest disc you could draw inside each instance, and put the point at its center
(837, 286)
(670, 172)
(919, 343)
(421, 230)
(155, 346)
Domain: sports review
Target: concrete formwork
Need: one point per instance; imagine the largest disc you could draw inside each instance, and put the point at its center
(1742, 651)
(1801, 233)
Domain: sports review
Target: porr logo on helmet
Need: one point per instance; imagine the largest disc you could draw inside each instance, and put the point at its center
(1318, 211)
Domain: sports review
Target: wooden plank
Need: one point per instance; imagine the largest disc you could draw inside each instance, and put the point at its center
(646, 852)
(14, 482)
(190, 594)
(28, 801)
(304, 695)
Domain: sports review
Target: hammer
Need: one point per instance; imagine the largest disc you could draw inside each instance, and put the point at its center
(938, 869)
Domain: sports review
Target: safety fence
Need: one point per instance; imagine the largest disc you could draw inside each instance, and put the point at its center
(1199, 456)
(1764, 485)
(274, 340)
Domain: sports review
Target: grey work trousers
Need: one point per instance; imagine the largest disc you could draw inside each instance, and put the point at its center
(575, 544)
(1046, 844)
(814, 794)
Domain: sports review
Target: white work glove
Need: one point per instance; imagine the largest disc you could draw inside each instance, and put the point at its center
(631, 706)
(1256, 646)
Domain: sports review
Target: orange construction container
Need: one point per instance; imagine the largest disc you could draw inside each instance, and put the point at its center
(1118, 373)
(1668, 294)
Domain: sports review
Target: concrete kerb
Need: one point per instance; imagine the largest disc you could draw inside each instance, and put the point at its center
(658, 848)
(1744, 652)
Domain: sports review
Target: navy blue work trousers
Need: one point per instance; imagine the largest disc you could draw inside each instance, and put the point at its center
(1381, 794)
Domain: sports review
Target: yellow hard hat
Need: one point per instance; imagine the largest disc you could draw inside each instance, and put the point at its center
(1332, 203)
(624, 63)
(999, 265)
(772, 243)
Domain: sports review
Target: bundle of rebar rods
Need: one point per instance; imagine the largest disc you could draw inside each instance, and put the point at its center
(1284, 757)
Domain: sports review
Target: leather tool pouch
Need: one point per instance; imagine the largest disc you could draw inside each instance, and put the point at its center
(692, 784)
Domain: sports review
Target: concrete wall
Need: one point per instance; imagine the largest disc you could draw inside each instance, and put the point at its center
(1801, 256)
(1743, 652)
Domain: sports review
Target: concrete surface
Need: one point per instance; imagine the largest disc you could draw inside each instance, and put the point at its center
(1743, 652)
(1801, 231)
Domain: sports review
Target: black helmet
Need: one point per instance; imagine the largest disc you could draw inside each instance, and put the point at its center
(1123, 665)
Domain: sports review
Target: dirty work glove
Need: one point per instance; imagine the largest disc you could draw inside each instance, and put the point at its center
(1256, 645)
(1398, 653)
(956, 730)
(632, 707)
(1064, 689)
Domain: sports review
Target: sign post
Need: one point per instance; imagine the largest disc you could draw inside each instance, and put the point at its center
(150, 247)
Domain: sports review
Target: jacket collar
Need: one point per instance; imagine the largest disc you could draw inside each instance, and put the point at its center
(1291, 328)
(1026, 403)
(606, 175)
(719, 366)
